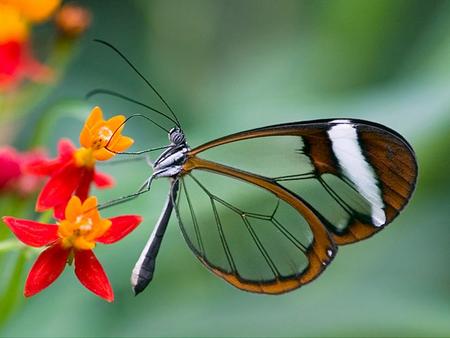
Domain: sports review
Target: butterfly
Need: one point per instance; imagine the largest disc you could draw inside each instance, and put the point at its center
(266, 209)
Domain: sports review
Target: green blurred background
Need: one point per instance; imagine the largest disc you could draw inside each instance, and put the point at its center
(227, 66)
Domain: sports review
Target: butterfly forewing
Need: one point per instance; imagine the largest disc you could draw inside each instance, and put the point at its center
(355, 174)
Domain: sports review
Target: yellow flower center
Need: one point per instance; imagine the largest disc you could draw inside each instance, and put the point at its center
(101, 138)
(82, 233)
(84, 157)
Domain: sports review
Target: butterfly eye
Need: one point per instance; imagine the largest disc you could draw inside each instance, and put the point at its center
(176, 136)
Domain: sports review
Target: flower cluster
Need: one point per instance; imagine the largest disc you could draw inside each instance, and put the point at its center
(79, 225)
(14, 176)
(16, 59)
(73, 171)
(72, 239)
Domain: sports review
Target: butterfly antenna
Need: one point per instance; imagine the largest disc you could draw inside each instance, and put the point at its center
(99, 91)
(134, 152)
(140, 75)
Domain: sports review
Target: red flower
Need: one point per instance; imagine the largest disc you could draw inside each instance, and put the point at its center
(72, 238)
(16, 59)
(17, 63)
(13, 175)
(66, 179)
(74, 169)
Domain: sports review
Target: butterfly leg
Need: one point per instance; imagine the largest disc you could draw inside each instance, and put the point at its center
(145, 187)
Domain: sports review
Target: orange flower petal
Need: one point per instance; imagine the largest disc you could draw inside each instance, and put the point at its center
(65, 228)
(13, 27)
(123, 143)
(85, 137)
(83, 243)
(35, 10)
(73, 209)
(103, 154)
(115, 122)
(90, 207)
(94, 118)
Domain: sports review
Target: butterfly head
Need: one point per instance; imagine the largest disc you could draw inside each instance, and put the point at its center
(176, 136)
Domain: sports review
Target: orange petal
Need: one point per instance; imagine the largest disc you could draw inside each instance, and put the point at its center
(115, 122)
(89, 205)
(73, 209)
(82, 243)
(13, 26)
(99, 230)
(94, 117)
(65, 228)
(85, 137)
(35, 10)
(123, 143)
(103, 154)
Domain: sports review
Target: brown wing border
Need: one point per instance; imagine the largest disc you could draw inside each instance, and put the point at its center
(319, 254)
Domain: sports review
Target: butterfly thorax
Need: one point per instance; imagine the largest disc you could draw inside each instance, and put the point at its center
(170, 162)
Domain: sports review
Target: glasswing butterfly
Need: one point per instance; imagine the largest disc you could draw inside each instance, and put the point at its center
(270, 217)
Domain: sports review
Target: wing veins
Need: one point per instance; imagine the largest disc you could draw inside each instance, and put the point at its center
(295, 177)
(347, 208)
(288, 235)
(194, 219)
(223, 240)
(260, 247)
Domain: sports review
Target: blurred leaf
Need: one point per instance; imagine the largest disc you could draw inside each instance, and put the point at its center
(45, 128)
(11, 295)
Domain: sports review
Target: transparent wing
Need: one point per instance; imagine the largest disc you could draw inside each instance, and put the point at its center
(355, 174)
(255, 235)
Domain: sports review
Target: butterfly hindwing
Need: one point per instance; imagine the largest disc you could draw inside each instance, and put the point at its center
(251, 232)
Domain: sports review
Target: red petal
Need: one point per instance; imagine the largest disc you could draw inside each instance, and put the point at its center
(10, 164)
(32, 233)
(47, 167)
(60, 187)
(65, 149)
(10, 56)
(47, 268)
(102, 180)
(43, 167)
(85, 180)
(91, 274)
(59, 210)
(120, 227)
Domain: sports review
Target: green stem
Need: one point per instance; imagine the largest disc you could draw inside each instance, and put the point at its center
(10, 297)
(45, 217)
(10, 244)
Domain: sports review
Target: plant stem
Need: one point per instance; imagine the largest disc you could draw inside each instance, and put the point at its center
(10, 244)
